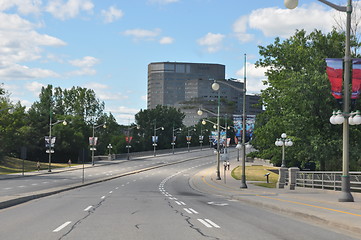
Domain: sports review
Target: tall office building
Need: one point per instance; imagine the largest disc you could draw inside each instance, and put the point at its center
(166, 80)
(188, 86)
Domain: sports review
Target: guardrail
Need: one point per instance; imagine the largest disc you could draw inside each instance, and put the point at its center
(327, 180)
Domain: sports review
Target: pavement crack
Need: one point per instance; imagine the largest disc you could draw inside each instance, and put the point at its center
(191, 225)
(90, 212)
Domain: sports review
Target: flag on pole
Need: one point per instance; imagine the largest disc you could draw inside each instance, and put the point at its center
(334, 72)
(356, 78)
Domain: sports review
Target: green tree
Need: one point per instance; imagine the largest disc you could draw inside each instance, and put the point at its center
(12, 126)
(298, 101)
(161, 116)
(79, 107)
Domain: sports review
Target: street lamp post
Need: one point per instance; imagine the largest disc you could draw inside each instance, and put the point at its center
(155, 140)
(129, 139)
(283, 142)
(93, 142)
(174, 137)
(51, 142)
(215, 87)
(346, 195)
(109, 148)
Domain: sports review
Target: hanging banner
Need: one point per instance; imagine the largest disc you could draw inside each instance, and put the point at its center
(174, 138)
(128, 139)
(238, 128)
(155, 139)
(188, 138)
(356, 78)
(93, 141)
(334, 72)
(48, 142)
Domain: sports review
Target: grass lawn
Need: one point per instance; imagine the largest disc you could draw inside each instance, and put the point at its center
(10, 165)
(257, 173)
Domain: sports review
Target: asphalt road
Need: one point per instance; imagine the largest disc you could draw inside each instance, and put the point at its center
(155, 204)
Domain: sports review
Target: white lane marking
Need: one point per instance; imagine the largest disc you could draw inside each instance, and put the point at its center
(192, 210)
(103, 197)
(218, 204)
(8, 188)
(180, 203)
(22, 186)
(62, 226)
(212, 223)
(88, 208)
(188, 211)
(111, 192)
(204, 223)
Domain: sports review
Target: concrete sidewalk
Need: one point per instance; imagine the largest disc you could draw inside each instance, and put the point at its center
(318, 206)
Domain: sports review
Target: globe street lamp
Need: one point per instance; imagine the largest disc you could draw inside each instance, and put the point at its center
(93, 141)
(283, 142)
(346, 195)
(109, 148)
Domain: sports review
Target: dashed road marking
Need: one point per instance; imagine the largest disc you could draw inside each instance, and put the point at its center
(88, 208)
(208, 223)
(62, 226)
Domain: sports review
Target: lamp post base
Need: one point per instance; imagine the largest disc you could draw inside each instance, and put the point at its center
(218, 176)
(243, 181)
(346, 195)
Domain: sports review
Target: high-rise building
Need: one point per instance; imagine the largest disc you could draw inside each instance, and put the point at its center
(187, 86)
(166, 80)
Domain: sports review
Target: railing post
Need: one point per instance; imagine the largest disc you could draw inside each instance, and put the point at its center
(281, 177)
(292, 175)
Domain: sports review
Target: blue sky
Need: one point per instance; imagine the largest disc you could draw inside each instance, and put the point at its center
(106, 45)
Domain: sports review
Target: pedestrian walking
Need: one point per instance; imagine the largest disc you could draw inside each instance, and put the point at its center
(225, 165)
(38, 166)
(228, 165)
(69, 163)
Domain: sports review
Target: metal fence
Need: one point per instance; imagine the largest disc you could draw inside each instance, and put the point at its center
(327, 180)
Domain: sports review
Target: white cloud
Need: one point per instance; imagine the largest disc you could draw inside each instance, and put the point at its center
(142, 34)
(85, 64)
(124, 115)
(86, 61)
(23, 6)
(104, 92)
(34, 87)
(13, 71)
(254, 76)
(112, 14)
(212, 42)
(166, 40)
(70, 9)
(19, 42)
(283, 22)
(240, 29)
